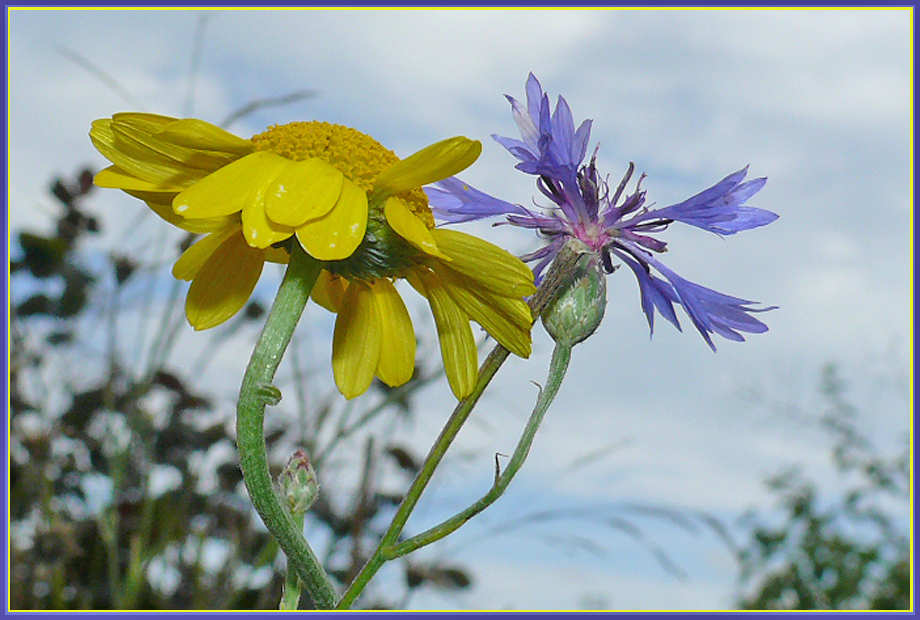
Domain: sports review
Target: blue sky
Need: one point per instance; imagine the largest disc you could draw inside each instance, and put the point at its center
(819, 101)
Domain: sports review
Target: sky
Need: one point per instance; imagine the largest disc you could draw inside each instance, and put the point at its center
(818, 101)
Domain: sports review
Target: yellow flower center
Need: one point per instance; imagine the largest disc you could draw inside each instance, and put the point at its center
(356, 155)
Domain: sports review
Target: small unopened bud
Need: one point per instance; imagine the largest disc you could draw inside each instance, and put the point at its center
(297, 484)
(577, 308)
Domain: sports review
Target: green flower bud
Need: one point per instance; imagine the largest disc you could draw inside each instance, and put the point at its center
(578, 306)
(297, 484)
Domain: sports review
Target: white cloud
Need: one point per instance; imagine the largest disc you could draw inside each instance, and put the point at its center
(818, 101)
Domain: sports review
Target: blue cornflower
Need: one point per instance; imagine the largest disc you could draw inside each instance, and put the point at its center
(583, 208)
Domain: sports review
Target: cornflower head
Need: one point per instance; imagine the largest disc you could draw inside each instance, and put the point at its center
(585, 215)
(350, 204)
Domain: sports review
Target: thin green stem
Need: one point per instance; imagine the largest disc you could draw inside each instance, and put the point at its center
(290, 594)
(563, 264)
(255, 393)
(558, 366)
(383, 552)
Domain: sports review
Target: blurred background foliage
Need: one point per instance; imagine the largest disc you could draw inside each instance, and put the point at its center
(124, 487)
(125, 493)
(833, 544)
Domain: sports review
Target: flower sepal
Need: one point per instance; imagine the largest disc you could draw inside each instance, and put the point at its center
(577, 308)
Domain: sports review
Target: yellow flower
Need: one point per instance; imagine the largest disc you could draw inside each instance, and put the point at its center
(349, 203)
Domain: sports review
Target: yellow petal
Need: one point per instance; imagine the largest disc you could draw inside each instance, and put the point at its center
(276, 255)
(231, 188)
(260, 232)
(488, 264)
(411, 228)
(103, 136)
(223, 284)
(458, 347)
(141, 150)
(433, 163)
(152, 133)
(116, 178)
(161, 204)
(397, 352)
(336, 235)
(507, 320)
(164, 200)
(199, 135)
(197, 255)
(356, 341)
(138, 160)
(145, 121)
(305, 190)
(329, 290)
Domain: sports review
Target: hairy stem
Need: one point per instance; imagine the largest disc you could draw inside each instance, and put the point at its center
(291, 591)
(256, 392)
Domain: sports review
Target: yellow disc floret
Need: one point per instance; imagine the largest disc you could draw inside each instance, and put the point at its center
(356, 155)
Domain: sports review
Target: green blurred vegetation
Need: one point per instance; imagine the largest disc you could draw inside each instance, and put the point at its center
(839, 543)
(124, 487)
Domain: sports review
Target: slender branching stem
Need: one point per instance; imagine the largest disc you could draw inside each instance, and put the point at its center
(388, 548)
(383, 553)
(558, 366)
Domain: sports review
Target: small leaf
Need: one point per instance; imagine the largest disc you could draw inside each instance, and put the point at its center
(268, 393)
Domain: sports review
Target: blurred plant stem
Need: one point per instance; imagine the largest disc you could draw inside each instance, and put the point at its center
(290, 594)
(256, 392)
(389, 548)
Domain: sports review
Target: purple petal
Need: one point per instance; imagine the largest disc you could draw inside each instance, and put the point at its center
(545, 123)
(539, 222)
(454, 201)
(545, 255)
(534, 96)
(563, 135)
(656, 293)
(718, 209)
(516, 147)
(746, 218)
(612, 214)
(530, 133)
(580, 143)
(713, 312)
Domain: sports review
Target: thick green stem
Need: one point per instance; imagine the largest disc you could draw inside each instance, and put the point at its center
(565, 261)
(257, 391)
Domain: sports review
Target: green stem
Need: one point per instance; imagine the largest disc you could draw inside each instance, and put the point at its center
(383, 552)
(290, 594)
(563, 264)
(558, 366)
(255, 393)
